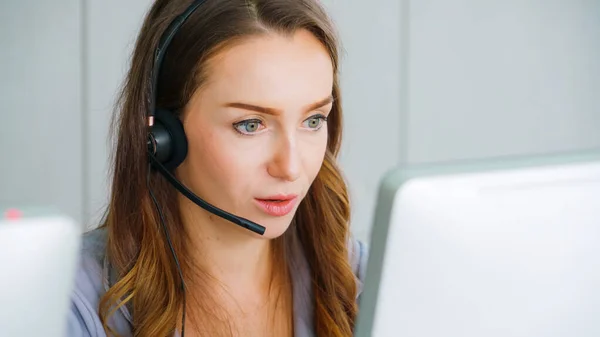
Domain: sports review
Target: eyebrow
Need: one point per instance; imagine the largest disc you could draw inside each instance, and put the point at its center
(273, 111)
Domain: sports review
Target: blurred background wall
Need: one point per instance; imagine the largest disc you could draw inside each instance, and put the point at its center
(423, 81)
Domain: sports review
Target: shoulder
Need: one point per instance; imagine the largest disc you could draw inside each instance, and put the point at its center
(89, 286)
(358, 252)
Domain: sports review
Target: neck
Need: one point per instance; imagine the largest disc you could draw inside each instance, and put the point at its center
(233, 256)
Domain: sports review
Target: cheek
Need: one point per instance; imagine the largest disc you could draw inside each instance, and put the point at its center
(217, 168)
(314, 153)
(207, 152)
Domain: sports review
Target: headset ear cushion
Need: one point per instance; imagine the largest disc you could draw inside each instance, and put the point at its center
(178, 142)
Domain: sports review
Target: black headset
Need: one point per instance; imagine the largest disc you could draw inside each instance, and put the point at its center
(167, 148)
(167, 143)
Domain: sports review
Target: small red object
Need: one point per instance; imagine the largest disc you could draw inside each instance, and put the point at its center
(13, 214)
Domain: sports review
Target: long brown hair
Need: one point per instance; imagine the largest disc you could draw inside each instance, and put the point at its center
(147, 279)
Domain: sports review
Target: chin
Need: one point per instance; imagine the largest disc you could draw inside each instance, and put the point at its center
(276, 227)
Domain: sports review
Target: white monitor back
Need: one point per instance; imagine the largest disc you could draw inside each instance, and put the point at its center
(494, 253)
(38, 257)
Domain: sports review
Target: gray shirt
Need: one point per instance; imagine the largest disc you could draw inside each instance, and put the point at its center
(92, 281)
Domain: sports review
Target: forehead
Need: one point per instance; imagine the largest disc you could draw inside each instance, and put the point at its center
(272, 69)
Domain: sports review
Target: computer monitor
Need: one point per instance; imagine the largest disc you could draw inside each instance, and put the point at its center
(494, 250)
(38, 257)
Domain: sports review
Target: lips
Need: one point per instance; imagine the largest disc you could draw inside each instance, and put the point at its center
(277, 205)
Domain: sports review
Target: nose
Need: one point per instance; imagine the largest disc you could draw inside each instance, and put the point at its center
(286, 161)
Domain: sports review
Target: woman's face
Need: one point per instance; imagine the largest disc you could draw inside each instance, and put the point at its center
(257, 128)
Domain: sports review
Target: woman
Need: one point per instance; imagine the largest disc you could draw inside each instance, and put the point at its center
(254, 84)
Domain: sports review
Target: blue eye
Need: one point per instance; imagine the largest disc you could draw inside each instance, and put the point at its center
(315, 122)
(249, 126)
